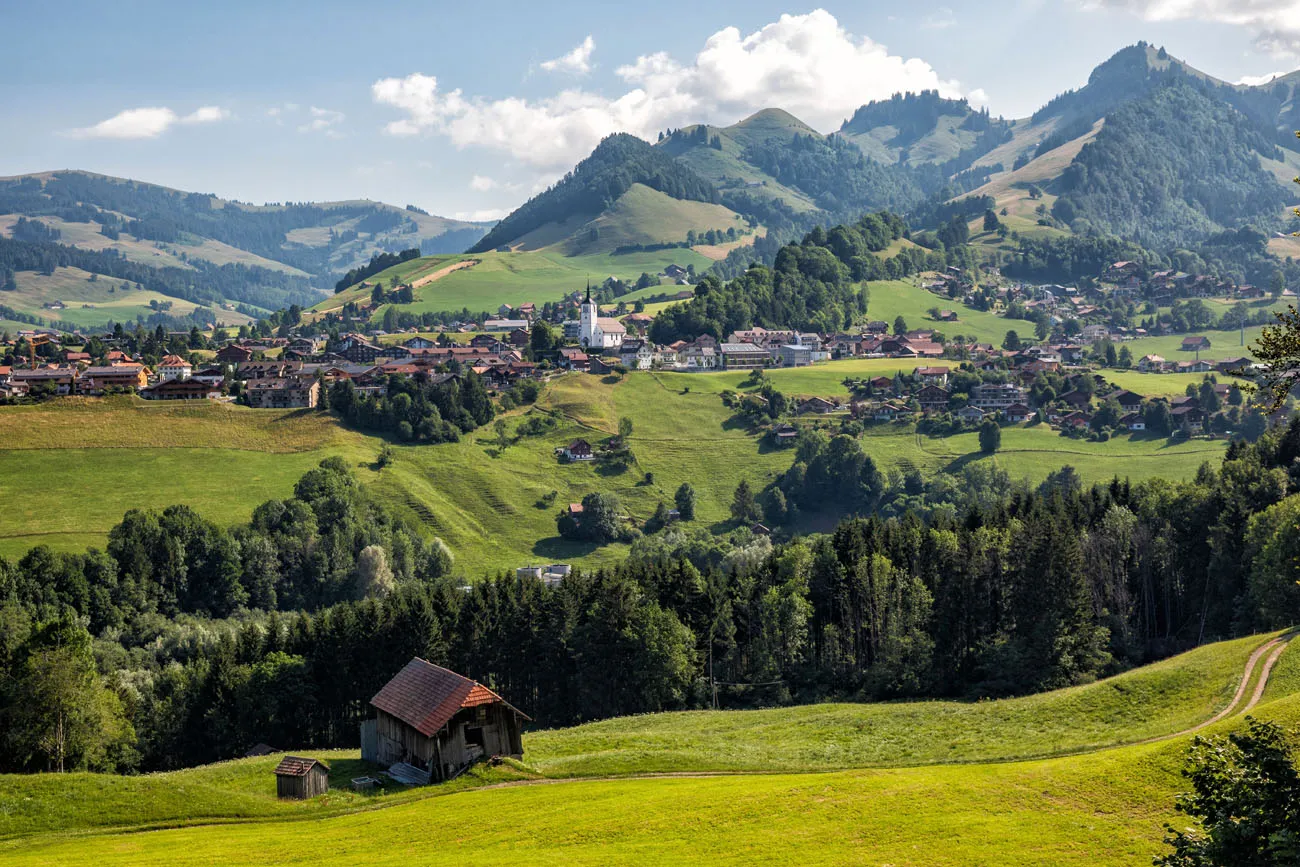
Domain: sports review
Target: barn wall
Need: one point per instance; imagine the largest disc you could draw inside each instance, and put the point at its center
(398, 742)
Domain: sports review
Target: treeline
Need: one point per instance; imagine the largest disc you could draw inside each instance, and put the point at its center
(811, 285)
(1005, 589)
(618, 162)
(202, 283)
(421, 408)
(378, 262)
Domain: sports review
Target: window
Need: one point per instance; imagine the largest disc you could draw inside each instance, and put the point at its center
(474, 735)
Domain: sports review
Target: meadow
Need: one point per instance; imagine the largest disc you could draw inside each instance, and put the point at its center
(963, 797)
(93, 302)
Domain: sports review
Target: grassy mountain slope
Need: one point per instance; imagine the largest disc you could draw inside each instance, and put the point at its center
(1103, 807)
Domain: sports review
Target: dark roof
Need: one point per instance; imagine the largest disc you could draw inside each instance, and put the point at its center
(426, 696)
(296, 766)
(260, 750)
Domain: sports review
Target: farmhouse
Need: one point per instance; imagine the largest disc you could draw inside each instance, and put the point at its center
(1195, 343)
(1151, 364)
(300, 778)
(233, 354)
(578, 450)
(181, 389)
(933, 399)
(438, 722)
(174, 367)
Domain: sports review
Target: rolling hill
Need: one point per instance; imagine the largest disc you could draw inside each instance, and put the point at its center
(823, 784)
(207, 255)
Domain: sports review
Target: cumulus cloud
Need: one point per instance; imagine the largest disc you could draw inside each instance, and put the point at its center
(323, 120)
(1275, 23)
(807, 64)
(577, 61)
(483, 215)
(482, 184)
(137, 123)
(1256, 80)
(978, 97)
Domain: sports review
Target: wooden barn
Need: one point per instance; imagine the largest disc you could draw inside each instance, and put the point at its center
(299, 778)
(439, 722)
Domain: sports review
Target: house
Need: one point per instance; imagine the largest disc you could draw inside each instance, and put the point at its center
(1129, 401)
(675, 272)
(796, 355)
(497, 325)
(174, 367)
(97, 380)
(232, 354)
(880, 384)
(259, 750)
(1095, 332)
(1151, 364)
(71, 357)
(971, 414)
(1234, 366)
(439, 722)
(1077, 399)
(701, 358)
(1017, 413)
(744, 356)
(637, 354)
(1189, 416)
(359, 351)
(181, 389)
(889, 411)
(819, 405)
(785, 434)
(933, 375)
(1195, 343)
(1073, 419)
(300, 778)
(933, 399)
(573, 358)
(877, 326)
(62, 379)
(1133, 421)
(578, 450)
(419, 342)
(283, 393)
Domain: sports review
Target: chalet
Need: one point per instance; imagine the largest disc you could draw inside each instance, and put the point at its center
(819, 405)
(519, 338)
(785, 434)
(418, 342)
(675, 272)
(359, 351)
(743, 356)
(71, 357)
(877, 326)
(1133, 421)
(300, 778)
(933, 399)
(890, 410)
(210, 375)
(637, 354)
(1017, 413)
(1073, 419)
(881, 385)
(1151, 364)
(62, 379)
(573, 358)
(438, 722)
(1232, 366)
(259, 750)
(947, 316)
(933, 375)
(926, 348)
(174, 367)
(578, 450)
(1189, 416)
(97, 380)
(117, 356)
(1076, 399)
(1129, 401)
(1095, 332)
(232, 354)
(1195, 343)
(181, 389)
(760, 529)
(505, 325)
(250, 371)
(971, 414)
(283, 393)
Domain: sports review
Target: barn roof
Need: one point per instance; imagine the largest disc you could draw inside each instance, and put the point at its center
(297, 766)
(425, 696)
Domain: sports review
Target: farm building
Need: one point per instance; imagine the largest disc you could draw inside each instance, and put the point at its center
(299, 778)
(438, 722)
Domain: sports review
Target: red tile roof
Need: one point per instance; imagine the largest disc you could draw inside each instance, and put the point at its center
(426, 696)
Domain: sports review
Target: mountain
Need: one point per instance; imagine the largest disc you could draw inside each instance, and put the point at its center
(74, 246)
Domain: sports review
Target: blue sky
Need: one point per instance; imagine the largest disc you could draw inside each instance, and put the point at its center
(467, 108)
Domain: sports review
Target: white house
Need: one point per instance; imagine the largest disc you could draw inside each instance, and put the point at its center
(596, 331)
(174, 367)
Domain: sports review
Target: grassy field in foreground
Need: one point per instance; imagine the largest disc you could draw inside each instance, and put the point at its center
(1101, 808)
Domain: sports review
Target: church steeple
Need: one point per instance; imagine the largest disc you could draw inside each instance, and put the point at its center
(588, 301)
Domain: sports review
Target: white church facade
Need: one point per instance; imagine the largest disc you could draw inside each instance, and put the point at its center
(596, 331)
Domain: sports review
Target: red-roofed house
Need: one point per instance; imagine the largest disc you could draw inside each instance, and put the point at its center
(439, 722)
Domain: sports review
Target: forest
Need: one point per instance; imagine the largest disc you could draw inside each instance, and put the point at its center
(422, 408)
(618, 162)
(1001, 589)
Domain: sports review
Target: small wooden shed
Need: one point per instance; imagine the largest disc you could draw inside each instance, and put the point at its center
(300, 778)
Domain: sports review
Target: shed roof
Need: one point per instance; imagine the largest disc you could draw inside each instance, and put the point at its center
(426, 696)
(297, 766)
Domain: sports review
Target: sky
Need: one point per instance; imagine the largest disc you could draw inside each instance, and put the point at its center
(467, 109)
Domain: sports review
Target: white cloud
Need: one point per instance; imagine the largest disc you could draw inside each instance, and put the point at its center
(1275, 23)
(941, 19)
(806, 64)
(577, 61)
(138, 123)
(1256, 80)
(482, 184)
(482, 215)
(977, 97)
(323, 120)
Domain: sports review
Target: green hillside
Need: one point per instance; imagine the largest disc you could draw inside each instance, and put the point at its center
(1104, 806)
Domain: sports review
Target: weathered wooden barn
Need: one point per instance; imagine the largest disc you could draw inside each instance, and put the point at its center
(439, 722)
(299, 778)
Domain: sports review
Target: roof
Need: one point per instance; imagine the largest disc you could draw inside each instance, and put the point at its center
(426, 696)
(297, 766)
(610, 325)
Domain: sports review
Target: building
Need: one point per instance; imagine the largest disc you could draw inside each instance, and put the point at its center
(578, 450)
(818, 405)
(97, 380)
(700, 358)
(1151, 364)
(744, 356)
(232, 354)
(596, 331)
(996, 396)
(1018, 413)
(933, 375)
(181, 389)
(932, 399)
(496, 325)
(299, 778)
(1195, 343)
(283, 393)
(637, 354)
(174, 367)
(61, 379)
(439, 722)
(970, 414)
(796, 355)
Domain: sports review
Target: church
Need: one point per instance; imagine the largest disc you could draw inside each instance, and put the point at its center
(599, 332)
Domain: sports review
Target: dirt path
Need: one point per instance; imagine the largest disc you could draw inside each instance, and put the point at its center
(444, 271)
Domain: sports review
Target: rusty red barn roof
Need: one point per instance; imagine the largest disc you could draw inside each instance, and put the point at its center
(426, 696)
(297, 766)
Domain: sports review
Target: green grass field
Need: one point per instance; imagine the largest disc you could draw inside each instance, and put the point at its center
(94, 302)
(889, 299)
(953, 799)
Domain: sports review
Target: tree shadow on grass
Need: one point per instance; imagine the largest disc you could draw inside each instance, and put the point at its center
(558, 548)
